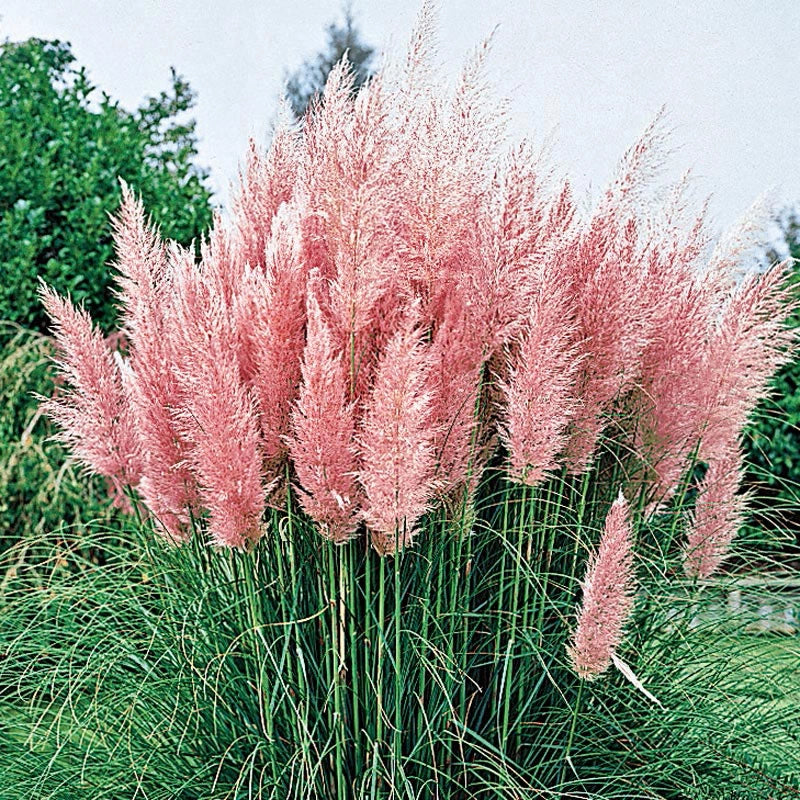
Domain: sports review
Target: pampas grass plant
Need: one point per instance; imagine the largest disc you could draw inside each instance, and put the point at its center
(429, 473)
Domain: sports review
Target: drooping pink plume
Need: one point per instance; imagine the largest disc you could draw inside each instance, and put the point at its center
(666, 407)
(93, 414)
(609, 273)
(718, 515)
(748, 344)
(396, 443)
(608, 597)
(323, 429)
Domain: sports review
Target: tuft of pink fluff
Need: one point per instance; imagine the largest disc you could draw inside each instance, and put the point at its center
(216, 417)
(266, 182)
(609, 273)
(345, 178)
(93, 414)
(167, 486)
(396, 443)
(747, 346)
(667, 405)
(323, 429)
(455, 358)
(608, 596)
(718, 515)
(220, 422)
(539, 399)
(271, 317)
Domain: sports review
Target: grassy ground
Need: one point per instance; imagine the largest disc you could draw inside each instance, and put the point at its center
(762, 699)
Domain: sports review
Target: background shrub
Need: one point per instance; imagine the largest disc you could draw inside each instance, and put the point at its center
(63, 149)
(62, 152)
(773, 448)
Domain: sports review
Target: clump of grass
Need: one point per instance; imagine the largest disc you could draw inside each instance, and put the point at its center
(40, 488)
(308, 670)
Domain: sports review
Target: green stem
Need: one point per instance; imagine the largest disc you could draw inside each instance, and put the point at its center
(335, 669)
(571, 738)
(378, 674)
(398, 721)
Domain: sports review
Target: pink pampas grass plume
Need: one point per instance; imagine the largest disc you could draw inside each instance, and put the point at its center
(271, 318)
(610, 276)
(221, 425)
(167, 486)
(323, 429)
(266, 182)
(538, 395)
(455, 359)
(748, 345)
(397, 443)
(718, 515)
(93, 414)
(217, 417)
(608, 597)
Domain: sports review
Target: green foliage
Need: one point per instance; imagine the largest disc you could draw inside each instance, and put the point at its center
(40, 490)
(62, 152)
(307, 82)
(773, 447)
(308, 670)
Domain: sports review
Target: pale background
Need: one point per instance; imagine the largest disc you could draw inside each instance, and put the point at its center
(727, 70)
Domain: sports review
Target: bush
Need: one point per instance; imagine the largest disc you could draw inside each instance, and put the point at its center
(62, 152)
(774, 445)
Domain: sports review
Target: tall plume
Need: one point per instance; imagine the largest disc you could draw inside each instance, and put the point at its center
(267, 181)
(217, 417)
(323, 428)
(167, 485)
(608, 588)
(396, 443)
(718, 515)
(270, 318)
(94, 416)
(539, 398)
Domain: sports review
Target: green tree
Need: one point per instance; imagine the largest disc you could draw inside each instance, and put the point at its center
(63, 148)
(307, 82)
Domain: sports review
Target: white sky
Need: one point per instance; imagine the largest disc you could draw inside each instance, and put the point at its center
(727, 70)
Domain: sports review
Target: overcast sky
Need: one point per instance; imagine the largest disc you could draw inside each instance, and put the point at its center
(727, 70)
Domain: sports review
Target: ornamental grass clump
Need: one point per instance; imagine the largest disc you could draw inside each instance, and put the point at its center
(398, 394)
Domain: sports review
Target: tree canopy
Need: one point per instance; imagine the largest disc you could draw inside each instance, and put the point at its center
(308, 81)
(64, 147)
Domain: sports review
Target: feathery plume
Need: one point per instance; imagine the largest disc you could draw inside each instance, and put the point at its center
(93, 414)
(266, 182)
(270, 318)
(323, 427)
(608, 597)
(539, 396)
(666, 405)
(217, 417)
(748, 345)
(609, 275)
(455, 361)
(718, 515)
(396, 443)
(167, 486)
